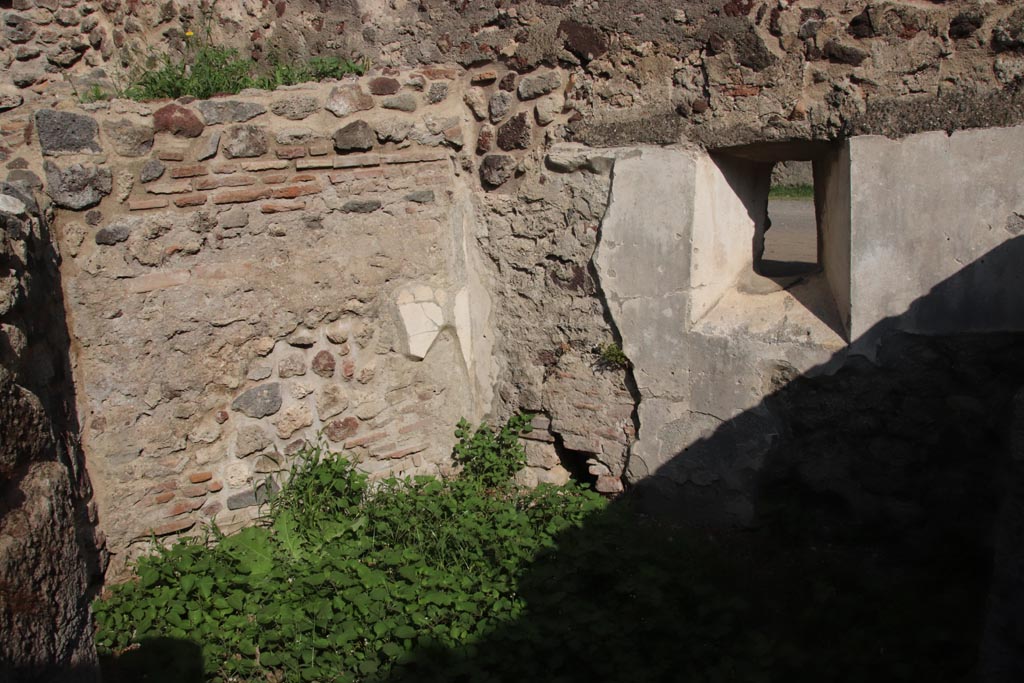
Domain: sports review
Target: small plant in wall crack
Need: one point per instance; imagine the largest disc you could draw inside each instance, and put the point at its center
(612, 357)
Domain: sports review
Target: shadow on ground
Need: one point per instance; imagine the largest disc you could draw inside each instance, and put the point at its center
(155, 660)
(871, 557)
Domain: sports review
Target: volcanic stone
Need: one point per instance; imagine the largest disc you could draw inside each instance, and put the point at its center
(515, 134)
(500, 105)
(420, 196)
(497, 169)
(355, 137)
(361, 206)
(259, 401)
(62, 132)
(242, 142)
(383, 86)
(438, 92)
(129, 139)
(177, 120)
(323, 364)
(404, 102)
(151, 170)
(339, 430)
(295, 108)
(348, 99)
(228, 111)
(79, 186)
(112, 234)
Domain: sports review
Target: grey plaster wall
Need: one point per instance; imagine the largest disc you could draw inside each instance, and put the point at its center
(664, 254)
(832, 200)
(923, 207)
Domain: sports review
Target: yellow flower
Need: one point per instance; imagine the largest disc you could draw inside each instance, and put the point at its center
(189, 34)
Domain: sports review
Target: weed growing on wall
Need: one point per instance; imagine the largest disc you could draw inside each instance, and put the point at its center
(611, 355)
(203, 69)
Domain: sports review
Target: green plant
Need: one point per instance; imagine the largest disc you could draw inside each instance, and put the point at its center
(345, 578)
(610, 355)
(203, 69)
(491, 458)
(791, 192)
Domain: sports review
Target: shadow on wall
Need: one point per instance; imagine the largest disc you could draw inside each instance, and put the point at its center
(871, 557)
(51, 559)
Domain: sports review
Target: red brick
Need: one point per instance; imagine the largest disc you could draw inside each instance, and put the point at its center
(293, 191)
(364, 440)
(184, 506)
(194, 491)
(164, 497)
(274, 178)
(170, 155)
(483, 77)
(305, 164)
(283, 206)
(416, 157)
(173, 527)
(302, 178)
(415, 426)
(296, 152)
(190, 200)
(351, 160)
(180, 187)
(200, 477)
(189, 171)
(319, 149)
(214, 486)
(436, 72)
(145, 204)
(226, 167)
(267, 165)
(228, 181)
(240, 196)
(213, 508)
(402, 453)
(355, 174)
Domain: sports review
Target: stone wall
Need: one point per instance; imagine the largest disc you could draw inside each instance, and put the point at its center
(49, 548)
(719, 72)
(245, 276)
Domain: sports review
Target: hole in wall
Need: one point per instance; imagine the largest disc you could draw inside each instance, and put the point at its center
(770, 230)
(575, 462)
(790, 246)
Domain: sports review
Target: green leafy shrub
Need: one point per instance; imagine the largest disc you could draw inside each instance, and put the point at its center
(347, 576)
(492, 458)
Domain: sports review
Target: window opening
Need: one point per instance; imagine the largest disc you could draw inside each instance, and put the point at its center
(789, 245)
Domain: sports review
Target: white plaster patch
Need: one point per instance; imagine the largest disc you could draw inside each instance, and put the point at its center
(422, 318)
(464, 325)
